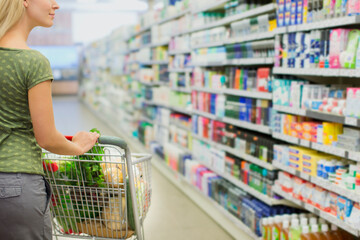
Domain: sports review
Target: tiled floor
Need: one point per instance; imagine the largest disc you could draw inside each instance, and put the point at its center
(172, 215)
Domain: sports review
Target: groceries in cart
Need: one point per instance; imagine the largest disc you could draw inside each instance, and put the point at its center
(91, 192)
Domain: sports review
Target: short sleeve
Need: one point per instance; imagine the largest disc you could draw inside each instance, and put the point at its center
(39, 70)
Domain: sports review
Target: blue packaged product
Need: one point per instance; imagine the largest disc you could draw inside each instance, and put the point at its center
(281, 6)
(242, 109)
(344, 208)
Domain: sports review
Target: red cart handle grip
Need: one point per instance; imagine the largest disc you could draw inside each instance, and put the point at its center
(69, 138)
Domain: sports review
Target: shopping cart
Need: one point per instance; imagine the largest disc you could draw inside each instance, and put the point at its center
(103, 194)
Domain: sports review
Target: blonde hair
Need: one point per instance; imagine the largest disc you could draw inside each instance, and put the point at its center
(10, 13)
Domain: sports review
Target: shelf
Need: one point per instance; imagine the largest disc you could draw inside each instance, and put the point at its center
(246, 125)
(180, 126)
(352, 195)
(146, 119)
(248, 158)
(205, 114)
(176, 109)
(208, 45)
(251, 61)
(215, 6)
(180, 70)
(181, 110)
(236, 153)
(220, 215)
(250, 94)
(175, 52)
(327, 216)
(208, 90)
(290, 110)
(144, 29)
(329, 23)
(355, 156)
(251, 37)
(237, 62)
(173, 17)
(154, 62)
(350, 121)
(321, 72)
(253, 192)
(152, 84)
(235, 122)
(159, 44)
(181, 89)
(185, 149)
(227, 20)
(235, 92)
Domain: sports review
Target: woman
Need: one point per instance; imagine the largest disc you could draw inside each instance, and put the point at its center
(27, 122)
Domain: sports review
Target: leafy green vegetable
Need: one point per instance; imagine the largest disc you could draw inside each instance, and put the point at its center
(74, 204)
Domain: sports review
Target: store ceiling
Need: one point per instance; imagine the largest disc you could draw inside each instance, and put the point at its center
(103, 5)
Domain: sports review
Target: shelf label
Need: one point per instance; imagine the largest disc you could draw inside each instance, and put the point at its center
(304, 143)
(354, 156)
(351, 121)
(317, 211)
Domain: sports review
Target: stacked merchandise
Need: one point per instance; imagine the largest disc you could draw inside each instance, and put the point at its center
(326, 201)
(323, 133)
(332, 99)
(335, 48)
(313, 11)
(300, 226)
(256, 145)
(247, 209)
(248, 79)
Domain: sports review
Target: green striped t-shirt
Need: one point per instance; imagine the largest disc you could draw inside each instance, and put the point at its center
(20, 70)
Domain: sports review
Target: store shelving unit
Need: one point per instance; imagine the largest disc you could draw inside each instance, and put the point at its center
(355, 156)
(175, 52)
(235, 92)
(230, 223)
(350, 121)
(181, 89)
(327, 216)
(319, 72)
(352, 195)
(328, 23)
(260, 39)
(235, 122)
(236, 62)
(154, 62)
(237, 153)
(181, 70)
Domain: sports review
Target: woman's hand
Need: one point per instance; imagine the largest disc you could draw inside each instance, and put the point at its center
(85, 141)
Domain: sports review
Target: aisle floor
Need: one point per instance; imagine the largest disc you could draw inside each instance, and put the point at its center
(172, 215)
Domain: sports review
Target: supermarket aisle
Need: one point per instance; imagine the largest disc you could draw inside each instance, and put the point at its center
(172, 215)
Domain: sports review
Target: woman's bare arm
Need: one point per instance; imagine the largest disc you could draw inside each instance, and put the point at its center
(46, 134)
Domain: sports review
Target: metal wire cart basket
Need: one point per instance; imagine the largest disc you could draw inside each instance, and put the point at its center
(103, 194)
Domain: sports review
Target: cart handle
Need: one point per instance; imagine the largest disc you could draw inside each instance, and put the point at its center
(108, 140)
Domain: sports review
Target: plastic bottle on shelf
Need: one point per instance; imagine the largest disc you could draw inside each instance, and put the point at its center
(295, 230)
(325, 234)
(305, 233)
(304, 221)
(335, 233)
(284, 235)
(264, 224)
(269, 228)
(315, 232)
(276, 230)
(312, 221)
